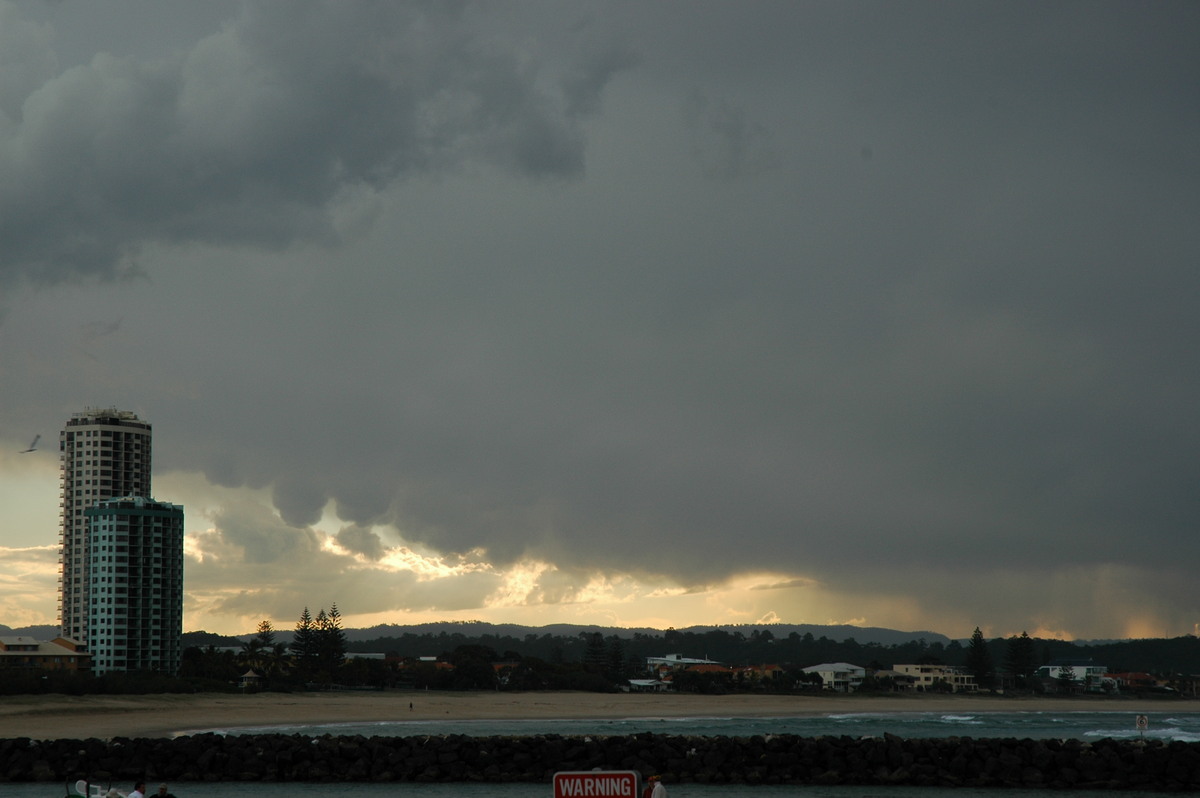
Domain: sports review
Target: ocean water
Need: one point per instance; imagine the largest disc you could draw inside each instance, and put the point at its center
(1163, 725)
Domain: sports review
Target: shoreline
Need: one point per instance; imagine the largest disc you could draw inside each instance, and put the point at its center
(47, 717)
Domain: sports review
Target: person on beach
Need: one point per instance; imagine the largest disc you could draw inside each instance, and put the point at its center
(139, 790)
(654, 788)
(162, 792)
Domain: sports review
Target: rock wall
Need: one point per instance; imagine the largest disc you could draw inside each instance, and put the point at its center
(770, 759)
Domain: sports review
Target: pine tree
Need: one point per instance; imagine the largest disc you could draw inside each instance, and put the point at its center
(329, 643)
(333, 642)
(616, 660)
(595, 656)
(320, 656)
(304, 643)
(1020, 660)
(979, 659)
(337, 634)
(265, 635)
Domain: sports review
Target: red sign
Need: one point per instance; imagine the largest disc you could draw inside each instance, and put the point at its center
(596, 784)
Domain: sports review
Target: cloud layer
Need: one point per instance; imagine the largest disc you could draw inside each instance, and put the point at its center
(251, 135)
(463, 307)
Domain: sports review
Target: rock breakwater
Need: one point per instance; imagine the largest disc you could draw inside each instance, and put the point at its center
(766, 759)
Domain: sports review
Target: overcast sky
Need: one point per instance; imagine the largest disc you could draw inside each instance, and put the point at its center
(629, 313)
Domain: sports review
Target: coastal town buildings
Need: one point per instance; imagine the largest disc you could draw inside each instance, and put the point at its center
(135, 585)
(103, 453)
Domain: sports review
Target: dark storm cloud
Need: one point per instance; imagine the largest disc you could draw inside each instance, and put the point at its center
(847, 292)
(262, 536)
(251, 134)
(360, 541)
(970, 346)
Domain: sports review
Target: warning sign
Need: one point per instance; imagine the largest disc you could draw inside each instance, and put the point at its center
(596, 784)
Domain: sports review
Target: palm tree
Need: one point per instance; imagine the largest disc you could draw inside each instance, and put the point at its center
(278, 660)
(252, 655)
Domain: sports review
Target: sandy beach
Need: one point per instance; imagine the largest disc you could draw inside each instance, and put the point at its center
(56, 716)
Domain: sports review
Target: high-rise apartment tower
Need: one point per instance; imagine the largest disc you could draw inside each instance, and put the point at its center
(104, 454)
(135, 576)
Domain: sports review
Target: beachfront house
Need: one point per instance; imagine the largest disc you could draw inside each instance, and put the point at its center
(661, 667)
(1076, 676)
(841, 677)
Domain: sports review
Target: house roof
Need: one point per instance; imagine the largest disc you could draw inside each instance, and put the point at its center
(20, 645)
(678, 659)
(706, 667)
(833, 666)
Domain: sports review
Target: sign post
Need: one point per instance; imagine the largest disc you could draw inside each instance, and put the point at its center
(1142, 722)
(596, 784)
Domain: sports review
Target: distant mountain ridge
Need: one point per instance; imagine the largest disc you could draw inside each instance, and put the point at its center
(39, 632)
(838, 632)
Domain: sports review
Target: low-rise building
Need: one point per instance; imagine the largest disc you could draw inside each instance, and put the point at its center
(758, 673)
(929, 676)
(59, 654)
(895, 681)
(1132, 681)
(674, 662)
(1076, 675)
(841, 677)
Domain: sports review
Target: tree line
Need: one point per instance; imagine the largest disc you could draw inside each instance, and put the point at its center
(757, 646)
(317, 653)
(597, 661)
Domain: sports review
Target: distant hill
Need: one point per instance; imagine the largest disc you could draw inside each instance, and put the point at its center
(41, 632)
(838, 633)
(204, 639)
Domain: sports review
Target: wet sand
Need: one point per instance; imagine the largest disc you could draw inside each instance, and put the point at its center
(80, 717)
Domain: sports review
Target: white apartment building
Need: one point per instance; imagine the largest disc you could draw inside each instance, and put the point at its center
(135, 585)
(103, 454)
